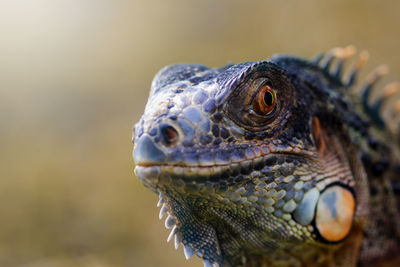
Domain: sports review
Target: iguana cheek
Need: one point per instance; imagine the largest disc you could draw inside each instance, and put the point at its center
(304, 213)
(334, 214)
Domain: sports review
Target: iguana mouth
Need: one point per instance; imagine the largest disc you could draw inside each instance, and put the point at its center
(191, 178)
(175, 166)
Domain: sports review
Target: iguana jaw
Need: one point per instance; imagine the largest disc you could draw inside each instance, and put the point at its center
(194, 203)
(183, 192)
(189, 178)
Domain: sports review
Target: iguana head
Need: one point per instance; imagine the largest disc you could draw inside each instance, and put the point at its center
(250, 160)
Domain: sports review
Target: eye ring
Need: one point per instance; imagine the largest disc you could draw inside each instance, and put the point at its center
(265, 100)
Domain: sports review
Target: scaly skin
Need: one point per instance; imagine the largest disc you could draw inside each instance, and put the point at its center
(311, 182)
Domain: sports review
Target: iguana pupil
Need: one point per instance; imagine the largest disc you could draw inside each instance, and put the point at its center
(268, 98)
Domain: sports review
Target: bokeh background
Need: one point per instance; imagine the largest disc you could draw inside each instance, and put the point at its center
(74, 78)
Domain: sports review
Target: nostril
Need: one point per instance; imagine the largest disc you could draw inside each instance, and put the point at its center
(168, 134)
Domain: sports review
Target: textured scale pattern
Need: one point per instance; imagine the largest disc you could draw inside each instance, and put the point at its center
(312, 180)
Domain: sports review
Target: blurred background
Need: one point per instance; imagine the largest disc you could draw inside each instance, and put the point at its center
(74, 78)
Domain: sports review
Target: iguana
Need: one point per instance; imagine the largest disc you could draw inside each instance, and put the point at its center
(282, 162)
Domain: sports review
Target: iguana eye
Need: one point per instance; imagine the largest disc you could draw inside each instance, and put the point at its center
(264, 101)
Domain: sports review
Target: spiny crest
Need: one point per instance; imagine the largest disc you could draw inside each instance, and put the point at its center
(384, 109)
(171, 222)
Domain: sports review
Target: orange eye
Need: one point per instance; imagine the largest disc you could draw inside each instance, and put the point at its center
(264, 101)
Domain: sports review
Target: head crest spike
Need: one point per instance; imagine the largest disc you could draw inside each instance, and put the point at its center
(355, 68)
(372, 78)
(384, 104)
(336, 70)
(342, 55)
(374, 109)
(349, 51)
(390, 90)
(333, 54)
(396, 107)
(395, 116)
(362, 59)
(317, 58)
(388, 104)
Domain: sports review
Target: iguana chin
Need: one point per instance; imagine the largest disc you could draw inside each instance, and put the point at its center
(282, 162)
